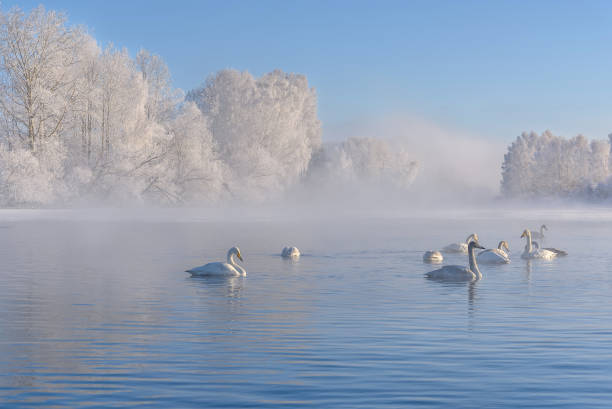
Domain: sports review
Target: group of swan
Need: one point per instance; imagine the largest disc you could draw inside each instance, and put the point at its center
(489, 256)
(231, 268)
(535, 252)
(460, 273)
(451, 272)
(495, 256)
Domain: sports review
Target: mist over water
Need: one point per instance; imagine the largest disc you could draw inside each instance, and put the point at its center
(97, 309)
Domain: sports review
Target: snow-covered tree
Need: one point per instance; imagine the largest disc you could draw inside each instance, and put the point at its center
(548, 165)
(37, 75)
(82, 123)
(265, 129)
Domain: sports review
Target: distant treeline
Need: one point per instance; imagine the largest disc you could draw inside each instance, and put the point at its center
(546, 165)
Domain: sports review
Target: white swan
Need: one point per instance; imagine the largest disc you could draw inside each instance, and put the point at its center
(495, 256)
(290, 252)
(219, 268)
(433, 256)
(535, 253)
(460, 247)
(540, 234)
(459, 273)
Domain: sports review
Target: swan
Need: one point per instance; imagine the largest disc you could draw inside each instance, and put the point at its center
(540, 234)
(460, 247)
(460, 273)
(559, 253)
(220, 268)
(290, 252)
(533, 253)
(495, 256)
(433, 256)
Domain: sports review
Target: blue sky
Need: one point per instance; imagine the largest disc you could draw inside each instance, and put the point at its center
(491, 68)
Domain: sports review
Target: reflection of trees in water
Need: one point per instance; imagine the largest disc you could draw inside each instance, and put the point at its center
(77, 309)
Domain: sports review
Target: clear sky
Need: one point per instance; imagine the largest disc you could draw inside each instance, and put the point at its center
(491, 68)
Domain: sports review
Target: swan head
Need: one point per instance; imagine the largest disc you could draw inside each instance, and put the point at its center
(235, 251)
(503, 244)
(471, 237)
(543, 227)
(474, 245)
(526, 233)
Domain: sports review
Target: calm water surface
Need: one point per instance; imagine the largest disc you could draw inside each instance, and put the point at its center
(101, 314)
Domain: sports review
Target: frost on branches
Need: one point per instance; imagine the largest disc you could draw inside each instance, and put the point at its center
(83, 124)
(547, 165)
(264, 129)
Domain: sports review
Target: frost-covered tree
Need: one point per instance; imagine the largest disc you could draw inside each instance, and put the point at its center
(82, 123)
(548, 165)
(193, 171)
(37, 74)
(162, 98)
(265, 129)
(364, 161)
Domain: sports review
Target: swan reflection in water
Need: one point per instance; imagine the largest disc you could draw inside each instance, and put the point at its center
(219, 285)
(452, 286)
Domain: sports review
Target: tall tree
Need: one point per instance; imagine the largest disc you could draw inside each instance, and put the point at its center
(37, 74)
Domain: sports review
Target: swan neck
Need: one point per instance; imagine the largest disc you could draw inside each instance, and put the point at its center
(233, 263)
(473, 264)
(529, 244)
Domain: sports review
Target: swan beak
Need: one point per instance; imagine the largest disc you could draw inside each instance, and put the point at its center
(479, 246)
(240, 256)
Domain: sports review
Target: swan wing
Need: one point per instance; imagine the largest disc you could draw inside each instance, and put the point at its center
(493, 256)
(542, 254)
(218, 268)
(558, 253)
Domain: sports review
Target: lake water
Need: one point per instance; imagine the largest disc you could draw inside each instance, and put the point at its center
(100, 314)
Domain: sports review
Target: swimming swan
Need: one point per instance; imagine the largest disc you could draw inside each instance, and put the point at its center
(540, 234)
(433, 256)
(535, 253)
(219, 268)
(459, 273)
(290, 252)
(495, 256)
(460, 247)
